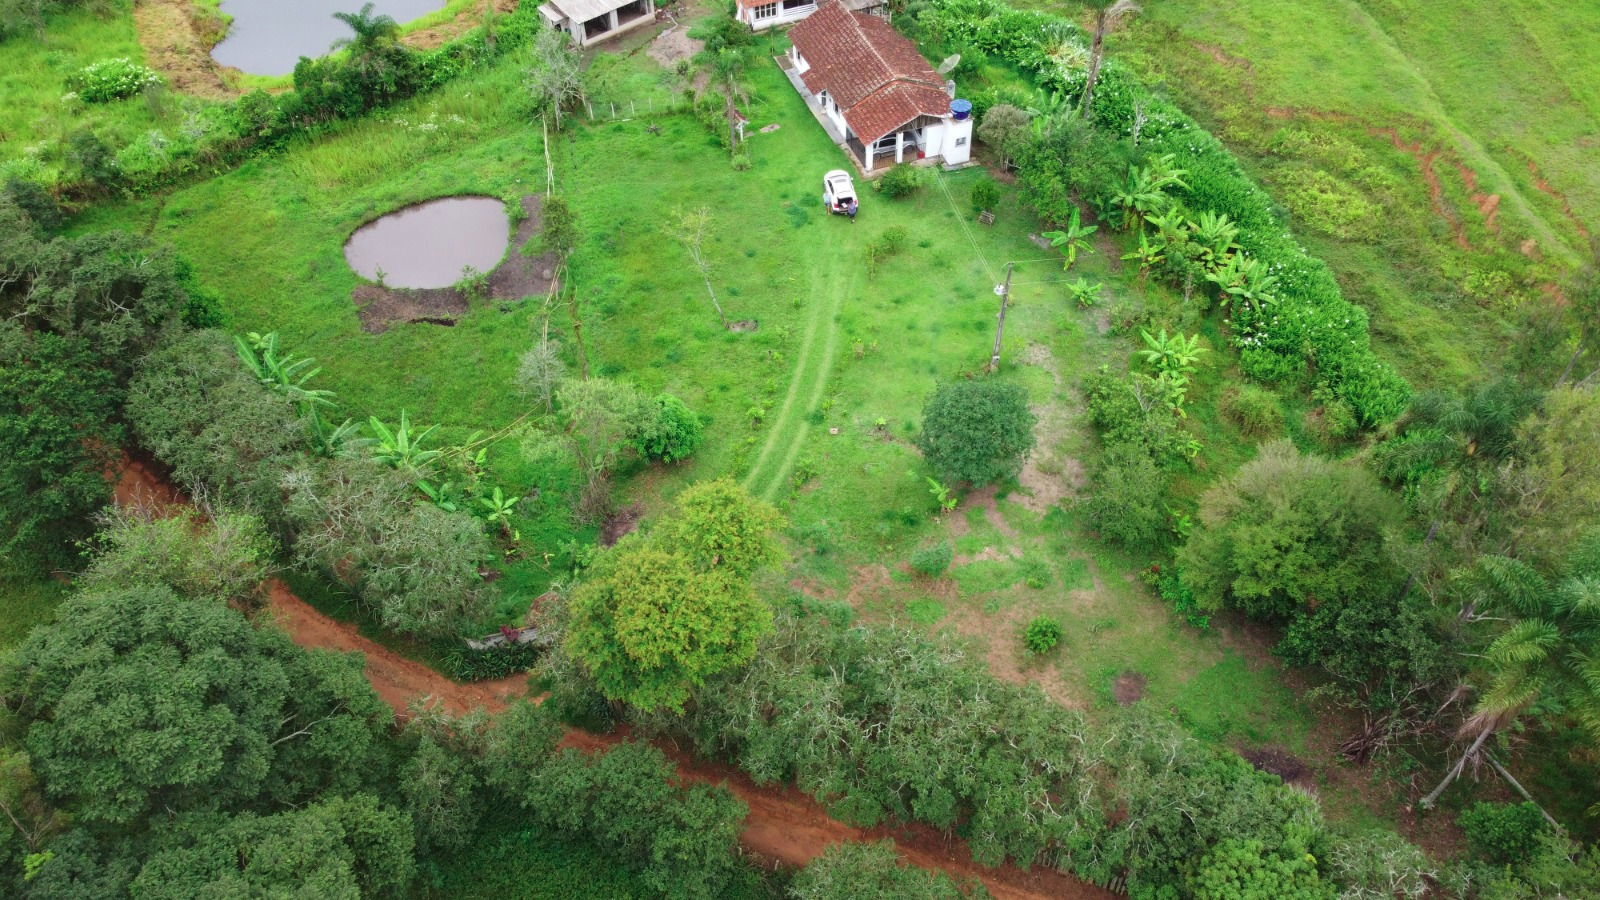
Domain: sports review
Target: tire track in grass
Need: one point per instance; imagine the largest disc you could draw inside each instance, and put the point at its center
(824, 307)
(837, 292)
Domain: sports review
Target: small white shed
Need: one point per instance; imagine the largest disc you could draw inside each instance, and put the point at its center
(593, 21)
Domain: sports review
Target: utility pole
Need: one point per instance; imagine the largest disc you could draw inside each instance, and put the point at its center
(1004, 290)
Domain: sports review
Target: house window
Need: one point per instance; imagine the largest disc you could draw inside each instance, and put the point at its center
(767, 12)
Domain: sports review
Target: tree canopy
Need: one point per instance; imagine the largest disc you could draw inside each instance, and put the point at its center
(660, 614)
(977, 430)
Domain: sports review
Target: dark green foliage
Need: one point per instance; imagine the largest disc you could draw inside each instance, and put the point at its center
(466, 664)
(113, 290)
(933, 559)
(902, 180)
(681, 839)
(850, 870)
(41, 208)
(346, 848)
(224, 436)
(1042, 635)
(1377, 650)
(673, 434)
(83, 868)
(884, 724)
(1290, 532)
(58, 438)
(1126, 501)
(1125, 417)
(1168, 582)
(413, 564)
(976, 431)
(1503, 833)
(137, 702)
(985, 194)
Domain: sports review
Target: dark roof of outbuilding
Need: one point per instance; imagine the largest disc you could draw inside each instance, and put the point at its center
(874, 73)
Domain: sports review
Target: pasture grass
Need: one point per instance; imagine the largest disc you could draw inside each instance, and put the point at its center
(815, 410)
(1463, 152)
(34, 119)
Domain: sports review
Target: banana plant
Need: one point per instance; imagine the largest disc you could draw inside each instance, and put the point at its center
(1244, 280)
(1147, 253)
(283, 373)
(442, 495)
(1071, 239)
(329, 440)
(1214, 234)
(401, 448)
(1176, 354)
(1085, 293)
(946, 500)
(498, 509)
(1169, 224)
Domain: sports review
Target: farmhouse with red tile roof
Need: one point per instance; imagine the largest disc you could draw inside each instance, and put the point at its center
(874, 87)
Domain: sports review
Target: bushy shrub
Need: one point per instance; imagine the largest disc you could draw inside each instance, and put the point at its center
(1289, 531)
(1125, 418)
(902, 180)
(113, 79)
(1126, 501)
(1255, 410)
(933, 559)
(977, 431)
(1042, 635)
(860, 870)
(985, 195)
(673, 434)
(1503, 833)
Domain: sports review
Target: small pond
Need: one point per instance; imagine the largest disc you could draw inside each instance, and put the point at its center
(426, 246)
(268, 37)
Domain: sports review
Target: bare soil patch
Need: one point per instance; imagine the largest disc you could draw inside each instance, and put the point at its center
(620, 523)
(1129, 688)
(985, 499)
(672, 45)
(444, 32)
(999, 638)
(1280, 762)
(517, 278)
(178, 46)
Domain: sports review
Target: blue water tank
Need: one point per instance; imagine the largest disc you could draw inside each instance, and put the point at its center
(960, 109)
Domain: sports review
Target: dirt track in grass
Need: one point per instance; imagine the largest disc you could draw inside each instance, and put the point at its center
(784, 826)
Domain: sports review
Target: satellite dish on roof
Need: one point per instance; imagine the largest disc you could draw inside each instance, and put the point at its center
(949, 64)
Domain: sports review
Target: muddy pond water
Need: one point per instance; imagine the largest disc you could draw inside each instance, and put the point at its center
(426, 246)
(268, 37)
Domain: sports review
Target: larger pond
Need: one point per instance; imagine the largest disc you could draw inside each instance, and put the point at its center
(428, 245)
(268, 37)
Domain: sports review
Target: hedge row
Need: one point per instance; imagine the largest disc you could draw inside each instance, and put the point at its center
(1312, 332)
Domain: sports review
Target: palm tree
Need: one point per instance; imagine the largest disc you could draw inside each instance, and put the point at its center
(1107, 13)
(1548, 651)
(1071, 239)
(370, 36)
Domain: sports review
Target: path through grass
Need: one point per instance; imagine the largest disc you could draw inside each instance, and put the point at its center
(787, 433)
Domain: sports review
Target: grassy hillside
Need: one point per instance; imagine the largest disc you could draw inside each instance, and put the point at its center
(1438, 155)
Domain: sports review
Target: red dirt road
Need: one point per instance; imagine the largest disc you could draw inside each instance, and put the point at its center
(784, 825)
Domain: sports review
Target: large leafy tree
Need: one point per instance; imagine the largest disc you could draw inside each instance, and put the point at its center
(336, 848)
(1288, 533)
(660, 615)
(977, 431)
(139, 702)
(58, 441)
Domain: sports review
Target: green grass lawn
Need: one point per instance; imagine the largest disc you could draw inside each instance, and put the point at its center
(815, 410)
(33, 116)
